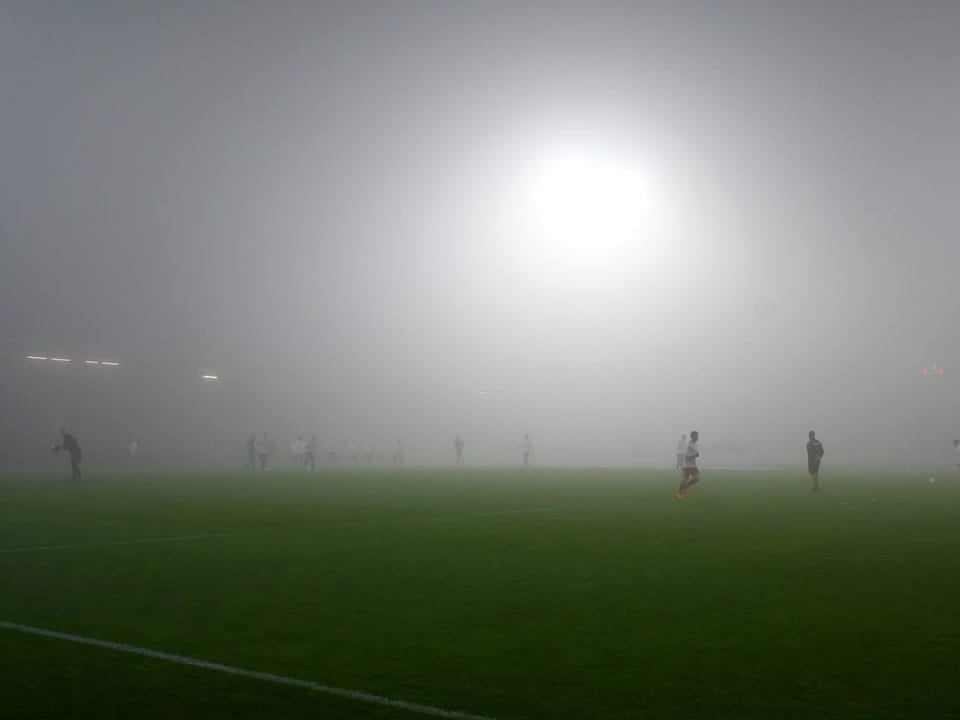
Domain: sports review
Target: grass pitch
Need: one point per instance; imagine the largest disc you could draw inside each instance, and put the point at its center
(512, 595)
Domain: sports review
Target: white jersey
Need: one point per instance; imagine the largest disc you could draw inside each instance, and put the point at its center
(682, 447)
(690, 455)
(298, 447)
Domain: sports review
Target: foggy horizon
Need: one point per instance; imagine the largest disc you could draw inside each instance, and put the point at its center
(603, 226)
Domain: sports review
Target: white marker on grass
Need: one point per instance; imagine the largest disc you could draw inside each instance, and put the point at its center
(358, 695)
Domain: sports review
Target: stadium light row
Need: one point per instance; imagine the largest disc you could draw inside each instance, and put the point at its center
(108, 363)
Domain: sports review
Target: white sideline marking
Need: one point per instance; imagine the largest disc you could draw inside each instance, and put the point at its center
(114, 542)
(241, 672)
(514, 512)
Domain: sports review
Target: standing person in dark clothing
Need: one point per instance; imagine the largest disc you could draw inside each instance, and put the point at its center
(251, 452)
(814, 453)
(69, 443)
(458, 446)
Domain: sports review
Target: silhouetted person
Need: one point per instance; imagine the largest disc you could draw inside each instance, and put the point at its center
(310, 453)
(69, 443)
(691, 473)
(458, 446)
(251, 452)
(814, 453)
(398, 453)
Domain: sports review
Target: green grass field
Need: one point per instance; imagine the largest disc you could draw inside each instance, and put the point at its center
(542, 594)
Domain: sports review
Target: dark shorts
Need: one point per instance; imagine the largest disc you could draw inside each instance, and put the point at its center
(693, 472)
(813, 466)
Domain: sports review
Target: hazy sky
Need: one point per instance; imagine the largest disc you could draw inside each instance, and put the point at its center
(349, 190)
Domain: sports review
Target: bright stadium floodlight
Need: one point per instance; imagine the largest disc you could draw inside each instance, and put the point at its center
(91, 362)
(37, 357)
(590, 214)
(60, 359)
(211, 377)
(111, 364)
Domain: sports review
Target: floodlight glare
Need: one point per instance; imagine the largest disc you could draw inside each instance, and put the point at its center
(91, 362)
(59, 359)
(37, 357)
(211, 377)
(111, 364)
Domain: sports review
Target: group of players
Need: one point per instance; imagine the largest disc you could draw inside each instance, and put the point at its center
(259, 450)
(305, 452)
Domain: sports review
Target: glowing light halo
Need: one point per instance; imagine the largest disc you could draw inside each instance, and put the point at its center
(590, 215)
(584, 199)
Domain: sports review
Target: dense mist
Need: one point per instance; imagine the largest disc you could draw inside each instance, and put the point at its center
(601, 224)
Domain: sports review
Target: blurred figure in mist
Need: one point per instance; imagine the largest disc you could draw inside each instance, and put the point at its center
(458, 446)
(264, 447)
(251, 452)
(398, 453)
(814, 453)
(310, 454)
(134, 448)
(69, 443)
(297, 448)
(956, 451)
(527, 448)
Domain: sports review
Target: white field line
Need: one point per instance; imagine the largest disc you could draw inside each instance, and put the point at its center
(74, 546)
(241, 672)
(515, 512)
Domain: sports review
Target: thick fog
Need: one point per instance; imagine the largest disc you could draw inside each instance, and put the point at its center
(602, 224)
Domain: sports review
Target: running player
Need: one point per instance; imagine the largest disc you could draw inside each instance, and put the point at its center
(69, 443)
(691, 473)
(681, 451)
(458, 446)
(814, 453)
